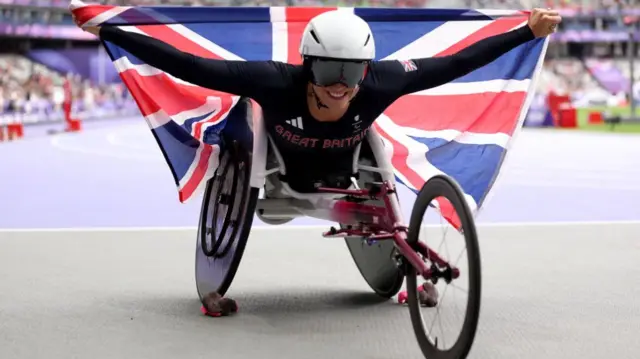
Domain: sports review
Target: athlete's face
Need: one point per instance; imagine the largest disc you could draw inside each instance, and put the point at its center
(335, 96)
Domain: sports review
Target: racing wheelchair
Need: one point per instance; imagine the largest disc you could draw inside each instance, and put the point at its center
(367, 214)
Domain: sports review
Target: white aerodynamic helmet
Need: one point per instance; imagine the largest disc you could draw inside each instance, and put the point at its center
(338, 34)
(337, 47)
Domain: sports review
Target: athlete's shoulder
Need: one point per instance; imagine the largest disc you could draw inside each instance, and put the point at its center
(288, 72)
(266, 74)
(385, 66)
(279, 65)
(384, 73)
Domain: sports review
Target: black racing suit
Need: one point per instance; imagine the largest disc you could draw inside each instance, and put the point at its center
(313, 150)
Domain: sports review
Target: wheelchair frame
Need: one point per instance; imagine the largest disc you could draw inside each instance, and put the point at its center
(367, 224)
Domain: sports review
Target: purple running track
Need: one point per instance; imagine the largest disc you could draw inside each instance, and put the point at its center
(113, 175)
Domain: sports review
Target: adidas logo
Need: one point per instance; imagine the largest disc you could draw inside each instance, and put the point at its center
(296, 122)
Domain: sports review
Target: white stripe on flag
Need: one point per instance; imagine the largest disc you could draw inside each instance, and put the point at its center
(471, 138)
(500, 12)
(206, 125)
(194, 37)
(157, 119)
(388, 149)
(212, 165)
(134, 29)
(279, 34)
(346, 9)
(212, 105)
(438, 39)
(478, 87)
(204, 42)
(522, 116)
(416, 159)
(192, 168)
(124, 64)
(105, 16)
(278, 13)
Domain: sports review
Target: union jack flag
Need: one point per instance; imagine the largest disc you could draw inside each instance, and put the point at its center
(462, 129)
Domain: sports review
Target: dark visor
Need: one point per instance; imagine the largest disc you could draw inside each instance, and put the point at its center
(330, 72)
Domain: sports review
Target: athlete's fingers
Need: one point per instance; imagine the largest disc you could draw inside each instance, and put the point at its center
(536, 14)
(552, 19)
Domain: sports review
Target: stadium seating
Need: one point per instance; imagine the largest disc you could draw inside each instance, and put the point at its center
(32, 93)
(36, 91)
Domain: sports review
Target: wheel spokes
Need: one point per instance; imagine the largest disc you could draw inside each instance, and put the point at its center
(437, 329)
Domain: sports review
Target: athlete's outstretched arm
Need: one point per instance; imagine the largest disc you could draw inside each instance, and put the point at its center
(436, 71)
(240, 78)
(432, 72)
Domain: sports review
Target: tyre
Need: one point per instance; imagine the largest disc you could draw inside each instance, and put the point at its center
(376, 262)
(226, 216)
(438, 187)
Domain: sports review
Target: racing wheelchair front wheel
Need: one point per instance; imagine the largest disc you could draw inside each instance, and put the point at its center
(445, 190)
(226, 217)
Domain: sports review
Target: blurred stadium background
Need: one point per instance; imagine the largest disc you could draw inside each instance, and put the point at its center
(49, 66)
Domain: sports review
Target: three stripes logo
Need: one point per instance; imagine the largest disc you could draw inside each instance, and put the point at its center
(296, 122)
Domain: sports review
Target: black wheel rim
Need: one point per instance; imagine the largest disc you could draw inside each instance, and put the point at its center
(215, 273)
(444, 187)
(224, 227)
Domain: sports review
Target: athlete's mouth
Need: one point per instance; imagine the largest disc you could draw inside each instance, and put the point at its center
(337, 95)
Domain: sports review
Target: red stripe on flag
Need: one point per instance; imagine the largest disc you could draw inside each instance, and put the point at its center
(399, 160)
(227, 102)
(198, 174)
(183, 43)
(86, 13)
(297, 19)
(305, 14)
(490, 112)
(494, 28)
(146, 103)
(162, 91)
(448, 212)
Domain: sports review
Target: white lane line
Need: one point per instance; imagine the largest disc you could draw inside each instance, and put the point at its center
(314, 227)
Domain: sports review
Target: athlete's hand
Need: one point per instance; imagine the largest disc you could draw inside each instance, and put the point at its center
(90, 29)
(543, 22)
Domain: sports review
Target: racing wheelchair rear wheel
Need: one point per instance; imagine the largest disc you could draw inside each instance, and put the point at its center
(376, 262)
(226, 216)
(433, 347)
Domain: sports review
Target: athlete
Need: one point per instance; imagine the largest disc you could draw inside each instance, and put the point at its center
(318, 112)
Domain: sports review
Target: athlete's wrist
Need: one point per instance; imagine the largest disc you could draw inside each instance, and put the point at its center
(526, 32)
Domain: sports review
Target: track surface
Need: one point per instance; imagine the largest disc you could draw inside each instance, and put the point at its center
(549, 291)
(114, 295)
(116, 176)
